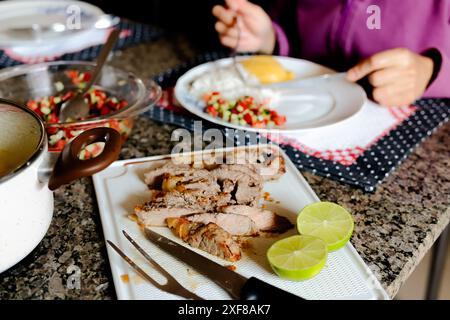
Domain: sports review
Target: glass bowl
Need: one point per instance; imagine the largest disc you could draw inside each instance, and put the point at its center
(32, 82)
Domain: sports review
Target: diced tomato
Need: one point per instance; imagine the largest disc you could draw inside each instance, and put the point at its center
(52, 130)
(211, 111)
(53, 118)
(104, 110)
(87, 154)
(110, 103)
(100, 94)
(243, 104)
(72, 74)
(60, 144)
(33, 105)
(248, 118)
(100, 104)
(68, 95)
(235, 111)
(279, 120)
(114, 124)
(87, 76)
(255, 111)
(206, 97)
(39, 112)
(259, 124)
(123, 104)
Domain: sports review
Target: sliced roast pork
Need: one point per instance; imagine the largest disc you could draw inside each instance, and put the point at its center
(235, 224)
(265, 220)
(207, 204)
(267, 162)
(192, 199)
(207, 237)
(154, 177)
(176, 204)
(150, 215)
(247, 186)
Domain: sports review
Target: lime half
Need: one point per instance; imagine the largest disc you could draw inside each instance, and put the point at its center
(327, 221)
(298, 257)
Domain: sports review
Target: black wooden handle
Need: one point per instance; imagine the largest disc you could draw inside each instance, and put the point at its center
(255, 289)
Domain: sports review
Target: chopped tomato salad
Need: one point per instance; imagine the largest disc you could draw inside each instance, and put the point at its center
(100, 103)
(243, 111)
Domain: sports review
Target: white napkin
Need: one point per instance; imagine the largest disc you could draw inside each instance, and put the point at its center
(345, 141)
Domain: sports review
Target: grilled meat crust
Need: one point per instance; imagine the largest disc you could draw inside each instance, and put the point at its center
(235, 224)
(207, 237)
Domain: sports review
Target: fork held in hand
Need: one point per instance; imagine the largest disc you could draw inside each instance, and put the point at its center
(235, 50)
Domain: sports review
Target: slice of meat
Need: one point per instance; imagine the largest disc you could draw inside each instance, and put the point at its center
(265, 220)
(272, 168)
(207, 237)
(246, 169)
(235, 224)
(247, 185)
(149, 215)
(235, 173)
(192, 199)
(227, 186)
(267, 162)
(176, 204)
(154, 177)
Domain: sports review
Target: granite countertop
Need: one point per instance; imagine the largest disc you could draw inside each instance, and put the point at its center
(394, 227)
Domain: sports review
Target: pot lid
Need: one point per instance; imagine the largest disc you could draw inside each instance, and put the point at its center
(21, 138)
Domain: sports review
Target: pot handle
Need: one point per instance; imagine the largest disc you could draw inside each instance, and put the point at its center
(70, 167)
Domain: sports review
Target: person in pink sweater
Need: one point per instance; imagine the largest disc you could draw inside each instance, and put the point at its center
(402, 47)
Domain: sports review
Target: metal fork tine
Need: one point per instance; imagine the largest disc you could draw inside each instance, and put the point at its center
(172, 284)
(134, 265)
(147, 256)
(234, 51)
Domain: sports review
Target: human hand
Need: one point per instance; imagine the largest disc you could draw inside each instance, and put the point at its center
(256, 30)
(398, 76)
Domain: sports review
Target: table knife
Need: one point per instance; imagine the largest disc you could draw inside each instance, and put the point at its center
(237, 286)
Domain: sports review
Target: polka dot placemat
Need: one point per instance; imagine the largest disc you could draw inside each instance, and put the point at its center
(369, 169)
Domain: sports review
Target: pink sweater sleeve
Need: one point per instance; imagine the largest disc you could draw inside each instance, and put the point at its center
(282, 41)
(440, 87)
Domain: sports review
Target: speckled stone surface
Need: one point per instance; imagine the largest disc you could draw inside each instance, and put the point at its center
(394, 228)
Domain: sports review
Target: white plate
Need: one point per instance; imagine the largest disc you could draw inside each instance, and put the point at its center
(120, 187)
(22, 14)
(322, 104)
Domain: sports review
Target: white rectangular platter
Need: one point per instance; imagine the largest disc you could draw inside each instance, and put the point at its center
(120, 187)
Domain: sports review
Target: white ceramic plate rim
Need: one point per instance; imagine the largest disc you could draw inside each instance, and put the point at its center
(341, 111)
(33, 4)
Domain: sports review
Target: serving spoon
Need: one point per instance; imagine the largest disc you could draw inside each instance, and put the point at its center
(77, 107)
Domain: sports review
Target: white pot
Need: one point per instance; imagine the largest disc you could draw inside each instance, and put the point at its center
(26, 201)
